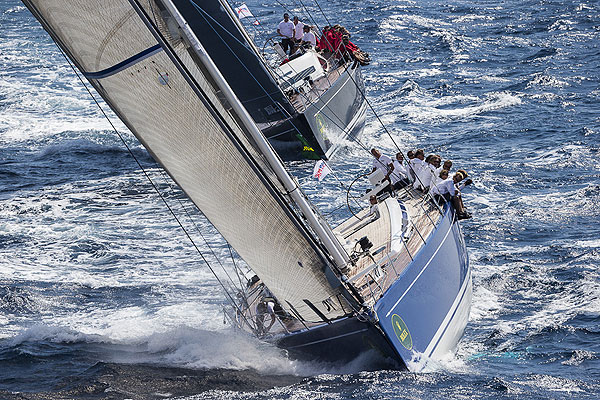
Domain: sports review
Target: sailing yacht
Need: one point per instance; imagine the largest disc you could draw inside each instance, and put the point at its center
(398, 285)
(305, 107)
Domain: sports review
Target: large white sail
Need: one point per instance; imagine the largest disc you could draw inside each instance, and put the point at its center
(168, 102)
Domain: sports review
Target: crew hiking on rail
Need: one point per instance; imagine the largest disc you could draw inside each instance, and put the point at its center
(425, 174)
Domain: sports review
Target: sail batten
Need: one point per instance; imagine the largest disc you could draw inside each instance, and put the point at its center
(169, 104)
(128, 63)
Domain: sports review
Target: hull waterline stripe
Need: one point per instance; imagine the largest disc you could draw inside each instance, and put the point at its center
(105, 73)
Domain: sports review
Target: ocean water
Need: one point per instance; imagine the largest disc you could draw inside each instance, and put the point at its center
(103, 296)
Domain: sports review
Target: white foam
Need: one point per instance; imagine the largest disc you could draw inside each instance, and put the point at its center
(15, 9)
(399, 22)
(205, 349)
(472, 17)
(427, 109)
(52, 333)
(551, 383)
(449, 362)
(592, 243)
(486, 303)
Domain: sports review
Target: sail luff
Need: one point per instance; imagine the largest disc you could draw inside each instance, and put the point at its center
(321, 227)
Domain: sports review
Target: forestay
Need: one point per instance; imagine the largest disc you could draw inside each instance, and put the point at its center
(185, 126)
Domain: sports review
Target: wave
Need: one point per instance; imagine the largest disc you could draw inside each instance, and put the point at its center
(543, 53)
(185, 347)
(428, 110)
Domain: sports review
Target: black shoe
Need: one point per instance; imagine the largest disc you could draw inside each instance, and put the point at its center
(464, 215)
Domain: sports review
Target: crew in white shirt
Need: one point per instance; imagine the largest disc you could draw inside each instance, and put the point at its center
(447, 166)
(382, 163)
(426, 173)
(286, 31)
(374, 210)
(398, 176)
(447, 189)
(415, 164)
(432, 167)
(309, 37)
(298, 30)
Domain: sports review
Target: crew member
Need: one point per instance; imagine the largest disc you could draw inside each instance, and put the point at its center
(426, 173)
(447, 189)
(298, 30)
(416, 163)
(374, 210)
(324, 44)
(308, 37)
(264, 308)
(382, 163)
(398, 176)
(436, 189)
(286, 31)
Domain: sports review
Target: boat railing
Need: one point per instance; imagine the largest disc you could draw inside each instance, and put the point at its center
(370, 282)
(421, 218)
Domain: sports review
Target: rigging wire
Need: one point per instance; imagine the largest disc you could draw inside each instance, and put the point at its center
(207, 17)
(204, 13)
(310, 15)
(231, 298)
(362, 93)
(257, 81)
(356, 85)
(206, 242)
(322, 13)
(235, 266)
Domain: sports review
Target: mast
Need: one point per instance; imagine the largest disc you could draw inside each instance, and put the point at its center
(321, 228)
(163, 92)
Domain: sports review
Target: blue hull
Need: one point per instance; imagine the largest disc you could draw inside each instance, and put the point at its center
(341, 342)
(424, 313)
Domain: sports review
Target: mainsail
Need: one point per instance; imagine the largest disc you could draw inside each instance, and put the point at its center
(146, 72)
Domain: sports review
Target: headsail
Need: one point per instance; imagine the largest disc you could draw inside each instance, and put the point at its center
(161, 92)
(238, 60)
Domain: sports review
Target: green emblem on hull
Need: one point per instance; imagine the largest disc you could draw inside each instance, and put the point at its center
(402, 332)
(322, 127)
(320, 123)
(307, 151)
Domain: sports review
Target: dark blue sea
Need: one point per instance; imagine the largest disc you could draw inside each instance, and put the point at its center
(102, 296)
